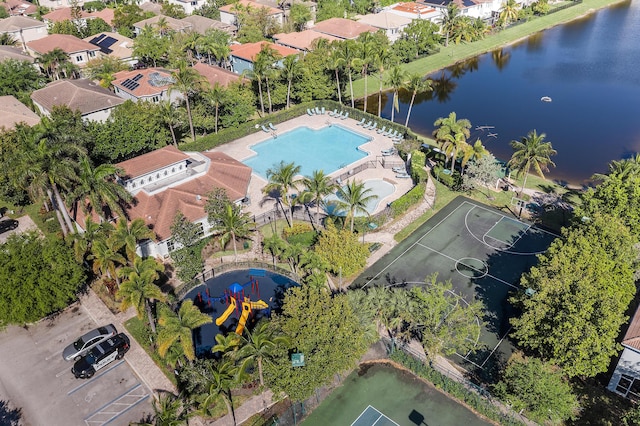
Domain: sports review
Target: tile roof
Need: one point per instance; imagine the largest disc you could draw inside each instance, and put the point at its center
(172, 23)
(149, 6)
(63, 14)
(200, 24)
(10, 52)
(218, 75)
(68, 43)
(150, 81)
(343, 28)
(106, 14)
(302, 40)
(17, 23)
(112, 44)
(151, 161)
(83, 95)
(248, 51)
(159, 210)
(385, 20)
(413, 7)
(12, 112)
(19, 7)
(231, 8)
(632, 337)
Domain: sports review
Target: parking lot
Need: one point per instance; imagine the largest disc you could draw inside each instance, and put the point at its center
(35, 379)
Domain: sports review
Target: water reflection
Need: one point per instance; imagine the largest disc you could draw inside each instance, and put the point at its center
(501, 58)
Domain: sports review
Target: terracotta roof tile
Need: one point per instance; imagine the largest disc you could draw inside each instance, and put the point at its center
(302, 40)
(83, 95)
(12, 111)
(385, 20)
(343, 28)
(218, 75)
(152, 81)
(151, 161)
(63, 14)
(18, 7)
(413, 7)
(248, 51)
(68, 43)
(9, 52)
(200, 24)
(231, 8)
(105, 14)
(17, 23)
(632, 337)
(172, 23)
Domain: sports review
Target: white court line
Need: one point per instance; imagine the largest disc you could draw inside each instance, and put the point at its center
(510, 218)
(496, 347)
(411, 246)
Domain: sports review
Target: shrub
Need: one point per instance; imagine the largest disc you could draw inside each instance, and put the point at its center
(306, 239)
(297, 228)
(411, 198)
(449, 180)
(418, 160)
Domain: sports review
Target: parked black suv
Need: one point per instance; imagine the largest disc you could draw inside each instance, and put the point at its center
(8, 225)
(100, 356)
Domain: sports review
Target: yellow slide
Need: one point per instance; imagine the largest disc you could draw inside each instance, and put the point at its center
(247, 307)
(222, 318)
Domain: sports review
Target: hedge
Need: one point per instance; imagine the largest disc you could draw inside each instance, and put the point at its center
(418, 161)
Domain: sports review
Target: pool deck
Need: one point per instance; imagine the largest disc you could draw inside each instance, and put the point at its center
(240, 150)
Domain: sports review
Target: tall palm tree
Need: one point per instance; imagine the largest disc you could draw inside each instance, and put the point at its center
(531, 151)
(233, 223)
(318, 185)
(382, 60)
(416, 84)
(453, 143)
(449, 21)
(7, 39)
(509, 11)
(366, 55)
(128, 236)
(450, 126)
(396, 80)
(354, 198)
(143, 266)
(282, 179)
(53, 62)
(267, 57)
(258, 347)
(106, 259)
(347, 54)
(97, 185)
(473, 152)
(212, 379)
(335, 63)
(187, 80)
(258, 72)
(291, 70)
(275, 245)
(168, 410)
(178, 328)
(169, 116)
(138, 291)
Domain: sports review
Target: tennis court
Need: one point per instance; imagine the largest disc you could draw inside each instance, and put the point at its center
(483, 251)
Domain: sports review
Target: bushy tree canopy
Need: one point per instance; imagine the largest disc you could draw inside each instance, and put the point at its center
(341, 249)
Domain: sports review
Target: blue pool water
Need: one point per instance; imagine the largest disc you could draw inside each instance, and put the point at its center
(378, 187)
(327, 149)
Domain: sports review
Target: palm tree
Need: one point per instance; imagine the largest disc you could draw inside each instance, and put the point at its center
(291, 70)
(318, 185)
(275, 245)
(169, 116)
(83, 241)
(137, 291)
(416, 84)
(128, 236)
(168, 410)
(366, 54)
(7, 39)
(509, 11)
(142, 266)
(347, 54)
(620, 169)
(473, 152)
(53, 62)
(258, 71)
(282, 179)
(215, 96)
(336, 62)
(187, 80)
(258, 347)
(178, 328)
(354, 198)
(452, 144)
(396, 80)
(233, 222)
(449, 21)
(266, 58)
(106, 259)
(97, 185)
(531, 151)
(383, 59)
(212, 379)
(450, 126)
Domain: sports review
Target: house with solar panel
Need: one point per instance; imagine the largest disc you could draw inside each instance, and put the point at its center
(151, 85)
(114, 45)
(625, 379)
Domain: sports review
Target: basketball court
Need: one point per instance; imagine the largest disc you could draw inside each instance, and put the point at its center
(483, 252)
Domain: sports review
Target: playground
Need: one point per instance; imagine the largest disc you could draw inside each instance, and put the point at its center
(235, 300)
(483, 252)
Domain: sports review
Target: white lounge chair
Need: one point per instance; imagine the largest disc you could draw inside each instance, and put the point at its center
(334, 113)
(368, 125)
(403, 175)
(316, 110)
(264, 129)
(380, 131)
(388, 150)
(374, 126)
(309, 112)
(388, 133)
(322, 111)
(272, 127)
(345, 116)
(361, 122)
(399, 169)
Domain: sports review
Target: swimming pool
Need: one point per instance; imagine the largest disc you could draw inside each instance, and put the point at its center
(329, 149)
(379, 187)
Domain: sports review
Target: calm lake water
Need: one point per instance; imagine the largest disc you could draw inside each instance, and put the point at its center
(591, 70)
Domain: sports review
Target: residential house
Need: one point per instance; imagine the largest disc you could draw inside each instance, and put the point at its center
(200, 25)
(472, 8)
(114, 45)
(158, 21)
(243, 55)
(10, 52)
(189, 6)
(625, 379)
(344, 29)
(150, 84)
(229, 12)
(303, 40)
(19, 7)
(12, 112)
(393, 25)
(94, 102)
(66, 14)
(148, 6)
(413, 10)
(216, 75)
(79, 51)
(58, 4)
(23, 29)
(167, 181)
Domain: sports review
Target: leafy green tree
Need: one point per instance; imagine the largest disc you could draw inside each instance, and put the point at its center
(531, 151)
(259, 346)
(177, 328)
(541, 7)
(104, 68)
(299, 15)
(540, 389)
(233, 223)
(19, 78)
(582, 288)
(322, 327)
(173, 10)
(282, 179)
(449, 21)
(353, 197)
(138, 291)
(188, 261)
(238, 105)
(150, 46)
(416, 84)
(39, 277)
(422, 35)
(127, 236)
(341, 249)
(483, 172)
(254, 23)
(125, 15)
(183, 231)
(168, 410)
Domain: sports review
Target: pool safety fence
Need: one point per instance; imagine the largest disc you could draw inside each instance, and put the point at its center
(204, 276)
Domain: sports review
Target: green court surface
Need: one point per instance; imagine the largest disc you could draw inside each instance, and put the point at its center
(483, 251)
(383, 395)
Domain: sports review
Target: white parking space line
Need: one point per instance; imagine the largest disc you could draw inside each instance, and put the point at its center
(77, 388)
(115, 408)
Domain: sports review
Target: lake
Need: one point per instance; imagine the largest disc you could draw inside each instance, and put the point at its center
(590, 69)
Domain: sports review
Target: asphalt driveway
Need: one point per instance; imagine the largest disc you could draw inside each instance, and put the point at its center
(37, 386)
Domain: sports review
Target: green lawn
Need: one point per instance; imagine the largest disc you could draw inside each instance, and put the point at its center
(455, 53)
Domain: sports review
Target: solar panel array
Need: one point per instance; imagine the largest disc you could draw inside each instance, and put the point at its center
(132, 83)
(104, 42)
